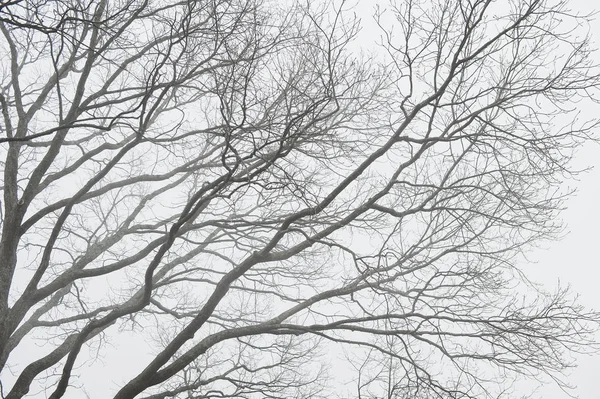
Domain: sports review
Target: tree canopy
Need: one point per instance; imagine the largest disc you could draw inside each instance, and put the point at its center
(251, 186)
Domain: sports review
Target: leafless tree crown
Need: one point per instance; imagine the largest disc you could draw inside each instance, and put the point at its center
(249, 189)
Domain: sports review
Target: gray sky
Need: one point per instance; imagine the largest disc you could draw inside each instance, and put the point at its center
(572, 261)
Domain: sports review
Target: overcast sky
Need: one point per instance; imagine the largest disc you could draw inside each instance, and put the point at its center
(574, 259)
(571, 261)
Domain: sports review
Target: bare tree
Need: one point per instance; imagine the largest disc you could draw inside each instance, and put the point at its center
(246, 190)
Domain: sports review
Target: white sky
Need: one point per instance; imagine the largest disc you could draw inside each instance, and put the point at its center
(573, 261)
